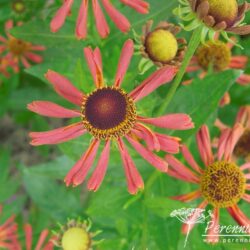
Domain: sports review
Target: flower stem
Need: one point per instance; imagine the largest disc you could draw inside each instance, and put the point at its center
(192, 46)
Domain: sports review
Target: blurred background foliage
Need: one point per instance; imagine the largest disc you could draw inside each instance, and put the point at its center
(31, 179)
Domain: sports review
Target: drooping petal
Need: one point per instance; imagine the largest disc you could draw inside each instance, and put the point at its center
(188, 197)
(25, 62)
(124, 61)
(190, 159)
(247, 176)
(79, 171)
(134, 179)
(37, 48)
(28, 236)
(189, 227)
(94, 62)
(51, 109)
(153, 159)
(170, 121)
(81, 24)
(34, 57)
(244, 79)
(246, 197)
(212, 235)
(181, 169)
(64, 87)
(8, 25)
(158, 78)
(245, 166)
(223, 142)
(60, 16)
(168, 144)
(148, 135)
(139, 5)
(101, 23)
(3, 39)
(239, 216)
(227, 144)
(58, 135)
(98, 175)
(243, 116)
(204, 145)
(42, 239)
(116, 16)
(238, 62)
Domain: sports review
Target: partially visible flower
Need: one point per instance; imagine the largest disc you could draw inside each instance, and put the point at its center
(75, 235)
(221, 183)
(215, 15)
(120, 20)
(109, 114)
(218, 55)
(18, 6)
(44, 242)
(8, 231)
(242, 148)
(17, 50)
(161, 46)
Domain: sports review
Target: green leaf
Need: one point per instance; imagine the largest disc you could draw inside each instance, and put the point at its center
(201, 98)
(50, 195)
(162, 206)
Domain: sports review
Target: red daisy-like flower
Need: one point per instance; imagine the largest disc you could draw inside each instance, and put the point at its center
(119, 19)
(109, 114)
(43, 243)
(15, 50)
(242, 148)
(218, 55)
(8, 231)
(221, 183)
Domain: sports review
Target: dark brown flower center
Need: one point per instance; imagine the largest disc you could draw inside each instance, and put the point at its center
(108, 113)
(106, 108)
(223, 184)
(242, 148)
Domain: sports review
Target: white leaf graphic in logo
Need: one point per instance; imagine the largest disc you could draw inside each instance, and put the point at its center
(190, 216)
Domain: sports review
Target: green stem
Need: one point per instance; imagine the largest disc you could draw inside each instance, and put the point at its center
(192, 46)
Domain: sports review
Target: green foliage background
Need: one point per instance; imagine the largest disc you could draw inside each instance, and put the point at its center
(38, 192)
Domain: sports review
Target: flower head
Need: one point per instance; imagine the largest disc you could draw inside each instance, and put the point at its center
(75, 235)
(109, 114)
(18, 6)
(43, 243)
(161, 46)
(117, 17)
(215, 15)
(16, 50)
(218, 55)
(8, 232)
(221, 182)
